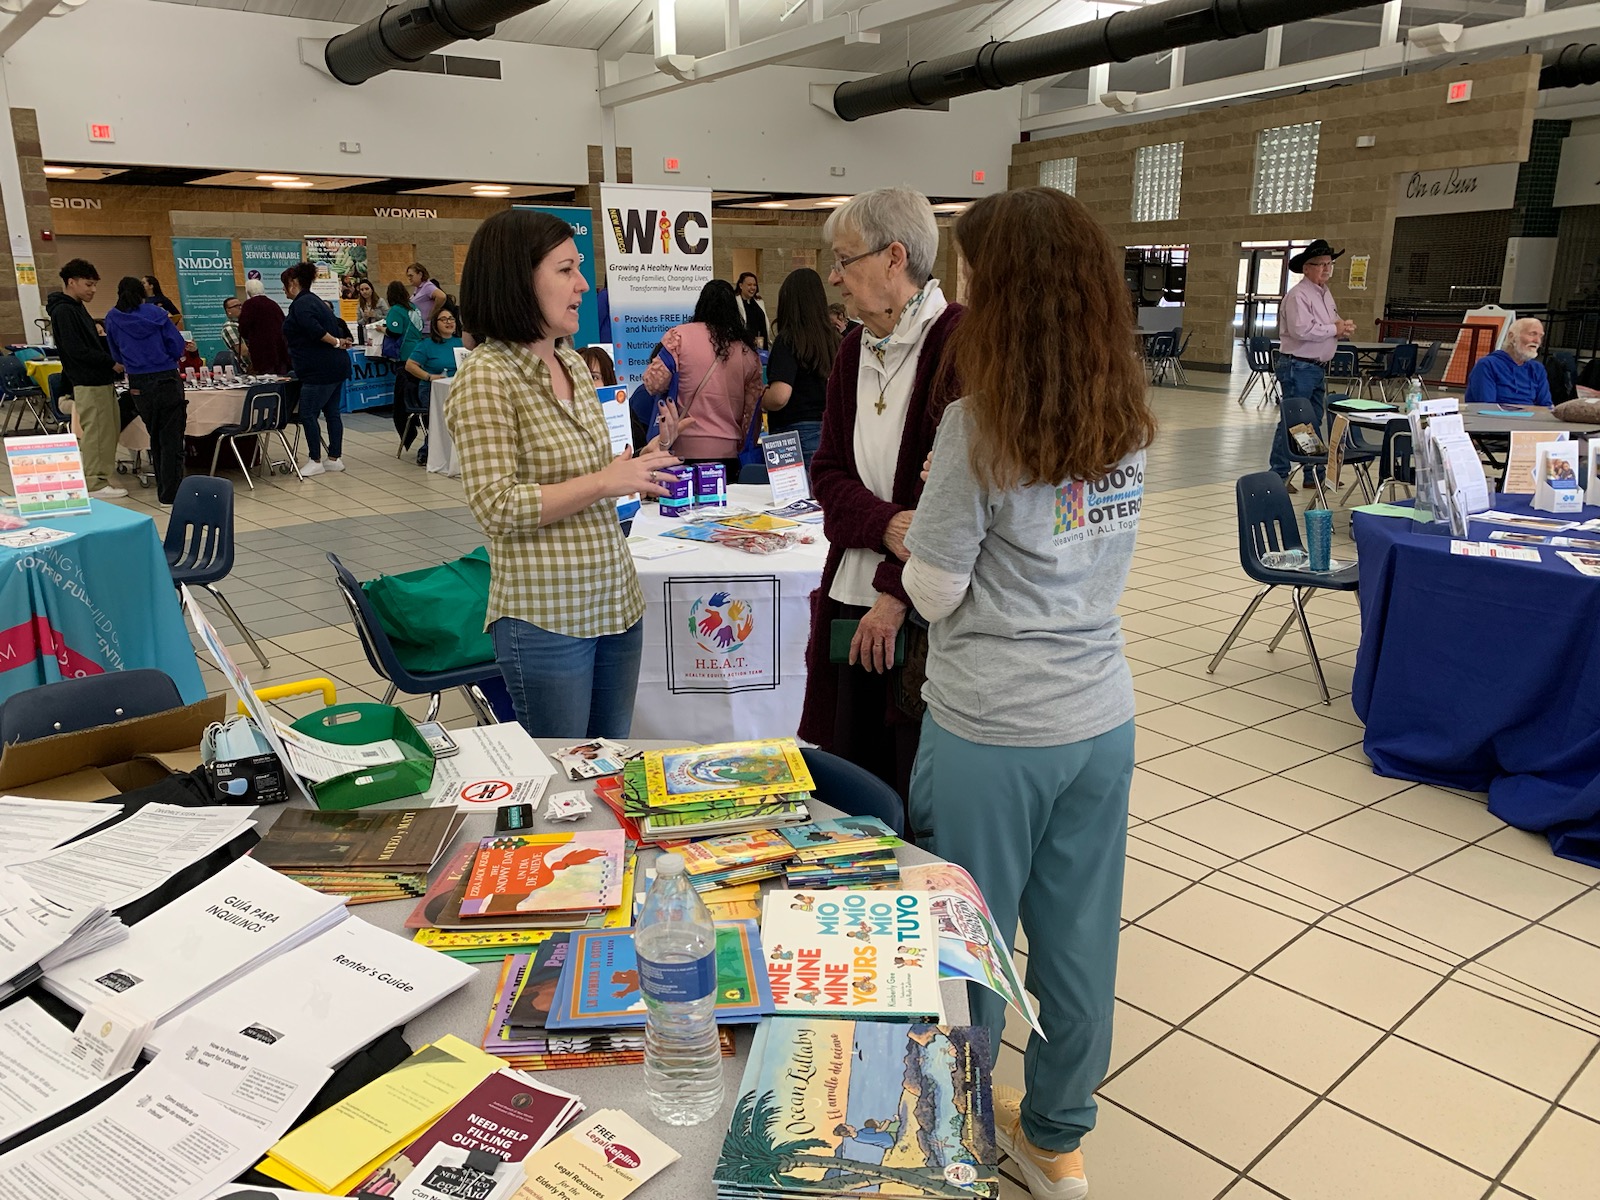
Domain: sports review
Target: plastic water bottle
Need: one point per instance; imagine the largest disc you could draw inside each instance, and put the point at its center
(676, 944)
(1413, 394)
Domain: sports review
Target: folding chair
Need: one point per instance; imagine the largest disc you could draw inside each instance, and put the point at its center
(1394, 459)
(416, 409)
(263, 413)
(1296, 410)
(1267, 522)
(1174, 361)
(72, 705)
(1258, 355)
(1163, 347)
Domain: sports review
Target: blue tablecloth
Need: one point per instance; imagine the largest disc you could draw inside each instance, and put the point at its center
(98, 600)
(1483, 674)
(371, 382)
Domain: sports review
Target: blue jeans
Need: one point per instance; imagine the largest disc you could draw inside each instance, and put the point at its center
(1297, 378)
(1043, 830)
(569, 687)
(810, 438)
(322, 399)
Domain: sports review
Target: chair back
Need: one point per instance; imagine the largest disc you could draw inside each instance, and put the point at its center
(224, 358)
(1163, 345)
(1258, 353)
(14, 379)
(199, 541)
(1425, 363)
(1183, 349)
(1297, 410)
(58, 388)
(1343, 365)
(1402, 362)
(72, 705)
(375, 641)
(753, 473)
(263, 407)
(1394, 460)
(1267, 521)
(854, 791)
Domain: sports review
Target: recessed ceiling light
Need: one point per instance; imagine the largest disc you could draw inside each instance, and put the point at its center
(61, 170)
(829, 203)
(491, 187)
(277, 178)
(292, 183)
(773, 204)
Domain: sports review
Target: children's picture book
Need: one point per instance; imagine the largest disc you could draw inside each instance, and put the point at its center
(879, 1108)
(726, 771)
(859, 953)
(839, 836)
(546, 873)
(599, 982)
(735, 850)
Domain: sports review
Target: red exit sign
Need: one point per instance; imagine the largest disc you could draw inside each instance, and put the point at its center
(671, 166)
(1459, 92)
(101, 133)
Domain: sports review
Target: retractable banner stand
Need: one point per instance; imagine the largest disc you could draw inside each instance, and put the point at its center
(205, 280)
(267, 261)
(341, 264)
(581, 220)
(658, 257)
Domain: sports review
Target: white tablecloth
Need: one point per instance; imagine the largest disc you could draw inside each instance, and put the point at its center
(740, 671)
(441, 450)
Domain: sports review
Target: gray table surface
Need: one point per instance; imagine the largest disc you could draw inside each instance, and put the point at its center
(466, 1011)
(1475, 420)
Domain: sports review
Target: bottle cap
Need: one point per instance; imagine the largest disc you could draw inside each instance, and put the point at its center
(668, 865)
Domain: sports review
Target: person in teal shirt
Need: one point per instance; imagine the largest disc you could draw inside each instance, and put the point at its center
(434, 357)
(402, 328)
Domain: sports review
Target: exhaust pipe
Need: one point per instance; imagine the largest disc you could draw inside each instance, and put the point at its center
(410, 31)
(1574, 66)
(1123, 36)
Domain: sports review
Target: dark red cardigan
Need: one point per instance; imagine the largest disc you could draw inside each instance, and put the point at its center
(854, 518)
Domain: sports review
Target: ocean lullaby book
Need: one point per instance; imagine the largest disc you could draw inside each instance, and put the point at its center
(832, 1107)
(726, 771)
(852, 953)
(546, 873)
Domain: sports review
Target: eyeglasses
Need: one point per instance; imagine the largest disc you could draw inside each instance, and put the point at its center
(839, 264)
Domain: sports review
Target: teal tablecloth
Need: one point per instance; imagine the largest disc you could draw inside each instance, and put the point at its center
(98, 600)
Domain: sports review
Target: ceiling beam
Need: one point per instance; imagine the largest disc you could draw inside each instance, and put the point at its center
(628, 32)
(14, 29)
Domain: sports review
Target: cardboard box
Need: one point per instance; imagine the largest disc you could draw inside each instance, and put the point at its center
(96, 764)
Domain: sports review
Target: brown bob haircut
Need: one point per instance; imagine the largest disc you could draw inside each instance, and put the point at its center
(1045, 350)
(497, 297)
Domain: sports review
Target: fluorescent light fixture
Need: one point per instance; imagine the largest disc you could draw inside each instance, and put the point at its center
(61, 170)
(829, 203)
(293, 183)
(277, 178)
(773, 204)
(491, 187)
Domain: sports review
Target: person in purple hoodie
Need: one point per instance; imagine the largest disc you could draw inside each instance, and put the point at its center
(148, 345)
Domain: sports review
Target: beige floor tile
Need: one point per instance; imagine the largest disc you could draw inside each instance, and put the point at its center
(1166, 979)
(1187, 724)
(1391, 939)
(1246, 1189)
(1507, 1041)
(1152, 796)
(1336, 1155)
(1275, 898)
(1562, 1162)
(1534, 849)
(1325, 868)
(1209, 1098)
(1504, 882)
(1355, 979)
(1158, 856)
(1580, 919)
(1443, 917)
(1152, 834)
(1129, 1159)
(1204, 771)
(1389, 839)
(1148, 745)
(1145, 887)
(1261, 749)
(1158, 653)
(1240, 707)
(1170, 685)
(1291, 802)
(1297, 693)
(1132, 1032)
(1456, 1111)
(1222, 925)
(1150, 625)
(1315, 730)
(1447, 812)
(1226, 828)
(1286, 1033)
(1553, 962)
(1229, 671)
(1341, 777)
(1584, 1095)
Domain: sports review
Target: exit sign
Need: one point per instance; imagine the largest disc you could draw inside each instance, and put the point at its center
(670, 165)
(101, 133)
(979, 176)
(1459, 92)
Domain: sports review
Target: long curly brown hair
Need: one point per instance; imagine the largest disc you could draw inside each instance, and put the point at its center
(1045, 350)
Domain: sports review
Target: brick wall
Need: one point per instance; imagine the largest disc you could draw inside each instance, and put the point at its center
(1355, 197)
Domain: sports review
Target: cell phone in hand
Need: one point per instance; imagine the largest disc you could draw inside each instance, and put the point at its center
(438, 739)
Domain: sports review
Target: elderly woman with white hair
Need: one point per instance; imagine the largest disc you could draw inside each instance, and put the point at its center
(886, 394)
(261, 327)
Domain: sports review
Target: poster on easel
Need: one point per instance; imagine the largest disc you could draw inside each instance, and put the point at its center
(341, 266)
(1491, 317)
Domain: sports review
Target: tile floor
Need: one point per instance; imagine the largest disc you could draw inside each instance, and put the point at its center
(1331, 984)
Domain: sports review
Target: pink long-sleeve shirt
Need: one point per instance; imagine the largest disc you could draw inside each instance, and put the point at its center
(1307, 323)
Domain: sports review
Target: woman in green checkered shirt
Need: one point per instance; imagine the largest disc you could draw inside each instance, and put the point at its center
(565, 608)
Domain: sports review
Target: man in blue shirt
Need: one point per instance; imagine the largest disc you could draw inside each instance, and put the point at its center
(1513, 374)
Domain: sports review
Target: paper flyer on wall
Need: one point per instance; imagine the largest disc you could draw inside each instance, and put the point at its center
(496, 765)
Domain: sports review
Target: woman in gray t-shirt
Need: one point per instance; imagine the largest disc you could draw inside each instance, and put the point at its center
(1019, 552)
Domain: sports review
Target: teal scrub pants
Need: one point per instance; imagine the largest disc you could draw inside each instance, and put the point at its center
(1044, 831)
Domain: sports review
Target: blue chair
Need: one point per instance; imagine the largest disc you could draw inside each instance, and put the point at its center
(1267, 522)
(16, 387)
(1358, 454)
(1159, 352)
(1258, 356)
(1297, 410)
(854, 791)
(416, 409)
(261, 417)
(753, 473)
(199, 543)
(383, 659)
(1430, 354)
(224, 358)
(58, 388)
(1394, 459)
(1399, 367)
(71, 705)
(1345, 366)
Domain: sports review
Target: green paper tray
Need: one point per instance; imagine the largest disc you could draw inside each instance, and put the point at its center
(359, 725)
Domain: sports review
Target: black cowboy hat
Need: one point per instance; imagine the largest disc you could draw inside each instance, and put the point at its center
(1315, 250)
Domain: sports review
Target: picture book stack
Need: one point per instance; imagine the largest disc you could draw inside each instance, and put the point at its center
(882, 1108)
(736, 858)
(364, 855)
(701, 791)
(505, 894)
(842, 852)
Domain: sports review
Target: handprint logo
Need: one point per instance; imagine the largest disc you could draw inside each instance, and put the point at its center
(721, 624)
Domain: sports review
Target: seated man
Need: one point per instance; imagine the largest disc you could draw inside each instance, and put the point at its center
(1512, 374)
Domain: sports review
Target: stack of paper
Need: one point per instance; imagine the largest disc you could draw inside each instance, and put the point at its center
(842, 851)
(330, 996)
(30, 826)
(38, 933)
(231, 924)
(39, 1073)
(702, 790)
(607, 1157)
(736, 858)
(366, 856)
(494, 766)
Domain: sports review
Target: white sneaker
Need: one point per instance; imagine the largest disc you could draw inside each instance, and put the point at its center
(109, 493)
(333, 464)
(312, 468)
(1048, 1176)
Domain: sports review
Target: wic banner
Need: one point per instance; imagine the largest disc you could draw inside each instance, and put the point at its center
(658, 257)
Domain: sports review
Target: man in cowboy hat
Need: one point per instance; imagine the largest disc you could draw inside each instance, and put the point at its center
(1308, 328)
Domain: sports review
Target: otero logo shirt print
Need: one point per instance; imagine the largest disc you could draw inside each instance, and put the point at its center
(1110, 505)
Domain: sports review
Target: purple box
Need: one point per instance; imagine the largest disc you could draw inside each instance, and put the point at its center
(711, 485)
(679, 498)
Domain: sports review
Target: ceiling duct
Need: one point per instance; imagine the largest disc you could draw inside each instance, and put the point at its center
(1121, 37)
(1573, 66)
(410, 30)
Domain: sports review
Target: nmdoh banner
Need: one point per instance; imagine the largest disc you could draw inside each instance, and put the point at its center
(658, 257)
(205, 280)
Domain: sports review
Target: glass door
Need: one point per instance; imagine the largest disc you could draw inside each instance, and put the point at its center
(1263, 274)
